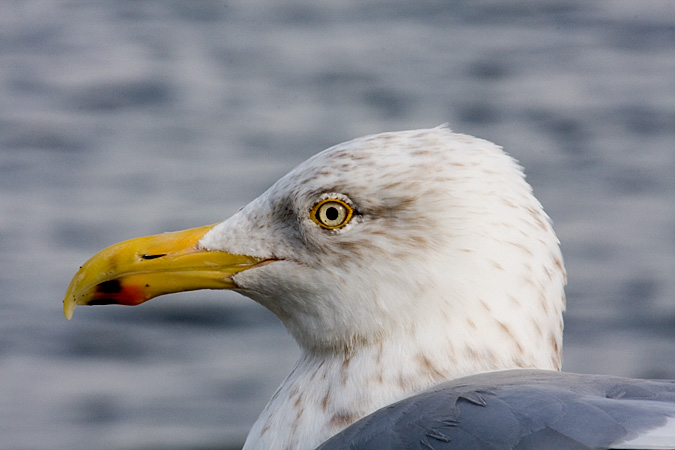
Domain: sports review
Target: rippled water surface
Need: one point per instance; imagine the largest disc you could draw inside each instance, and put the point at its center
(125, 118)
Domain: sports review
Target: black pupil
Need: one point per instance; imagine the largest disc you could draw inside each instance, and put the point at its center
(332, 213)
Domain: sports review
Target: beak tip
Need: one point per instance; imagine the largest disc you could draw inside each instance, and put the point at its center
(68, 308)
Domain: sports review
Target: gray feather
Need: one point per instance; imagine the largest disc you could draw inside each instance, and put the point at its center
(519, 410)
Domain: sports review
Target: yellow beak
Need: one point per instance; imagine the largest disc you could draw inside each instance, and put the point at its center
(134, 271)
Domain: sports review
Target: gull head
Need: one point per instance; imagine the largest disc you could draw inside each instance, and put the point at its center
(387, 234)
(424, 253)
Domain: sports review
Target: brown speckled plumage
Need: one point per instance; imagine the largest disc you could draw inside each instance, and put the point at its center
(448, 267)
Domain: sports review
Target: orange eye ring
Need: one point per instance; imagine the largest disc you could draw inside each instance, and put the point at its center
(331, 213)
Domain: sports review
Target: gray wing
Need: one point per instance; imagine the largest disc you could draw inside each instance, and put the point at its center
(522, 409)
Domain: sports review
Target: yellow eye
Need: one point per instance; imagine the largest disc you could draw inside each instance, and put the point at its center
(332, 213)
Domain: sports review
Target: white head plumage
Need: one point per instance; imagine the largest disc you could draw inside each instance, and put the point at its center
(448, 266)
(396, 261)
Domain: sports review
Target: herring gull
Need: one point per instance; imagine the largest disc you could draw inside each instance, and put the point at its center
(424, 284)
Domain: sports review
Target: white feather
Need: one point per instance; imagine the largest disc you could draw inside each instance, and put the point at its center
(450, 267)
(659, 438)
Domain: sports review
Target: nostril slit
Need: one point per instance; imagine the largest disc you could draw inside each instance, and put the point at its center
(153, 256)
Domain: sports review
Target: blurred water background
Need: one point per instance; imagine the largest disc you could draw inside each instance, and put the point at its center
(126, 118)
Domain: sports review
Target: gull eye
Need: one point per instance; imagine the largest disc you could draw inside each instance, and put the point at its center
(332, 213)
